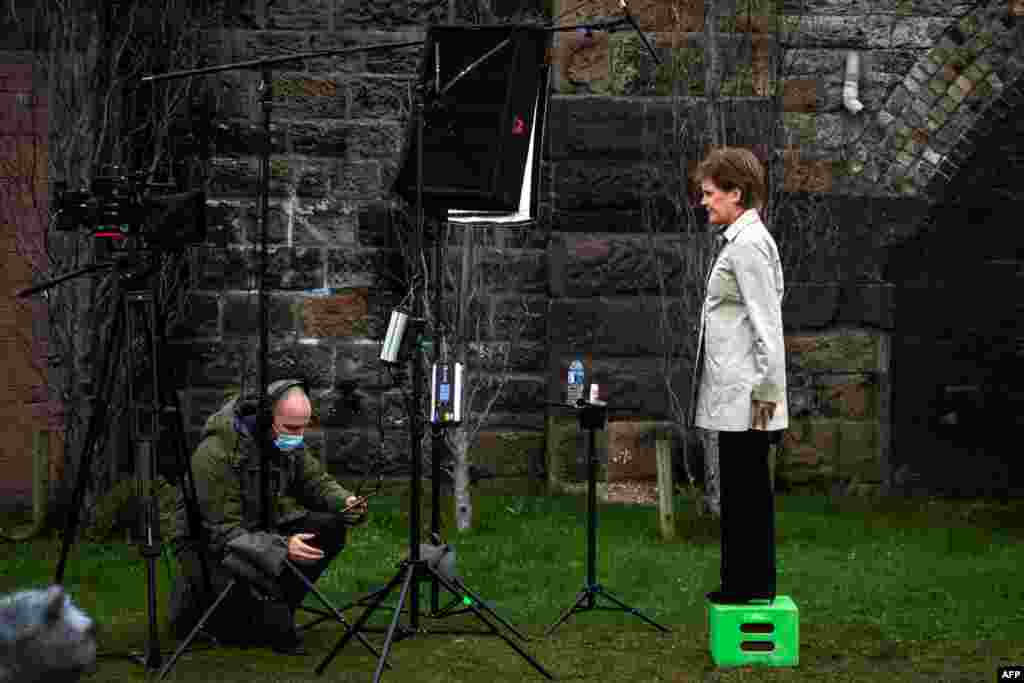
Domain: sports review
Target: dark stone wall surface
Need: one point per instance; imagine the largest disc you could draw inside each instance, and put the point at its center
(582, 280)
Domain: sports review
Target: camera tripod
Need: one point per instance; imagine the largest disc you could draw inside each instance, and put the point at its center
(593, 418)
(153, 422)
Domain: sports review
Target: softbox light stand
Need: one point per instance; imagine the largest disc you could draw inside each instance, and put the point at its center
(415, 569)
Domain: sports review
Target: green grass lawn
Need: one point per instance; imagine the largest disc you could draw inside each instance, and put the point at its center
(902, 590)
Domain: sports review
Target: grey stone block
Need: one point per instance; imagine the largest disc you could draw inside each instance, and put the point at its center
(300, 15)
(239, 177)
(241, 314)
(294, 268)
(324, 223)
(202, 317)
(359, 267)
(386, 14)
(313, 178)
(520, 270)
(379, 97)
(227, 268)
(621, 326)
(311, 362)
(634, 386)
(217, 364)
(508, 317)
(810, 306)
(356, 180)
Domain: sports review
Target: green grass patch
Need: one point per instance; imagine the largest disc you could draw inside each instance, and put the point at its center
(909, 590)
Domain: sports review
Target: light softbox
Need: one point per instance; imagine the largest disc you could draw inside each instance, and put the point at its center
(485, 109)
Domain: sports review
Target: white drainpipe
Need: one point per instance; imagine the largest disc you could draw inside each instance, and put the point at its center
(850, 87)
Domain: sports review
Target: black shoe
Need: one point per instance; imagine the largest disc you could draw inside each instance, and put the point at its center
(292, 646)
(720, 598)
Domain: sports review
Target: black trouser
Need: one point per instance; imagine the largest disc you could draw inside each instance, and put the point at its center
(247, 616)
(748, 515)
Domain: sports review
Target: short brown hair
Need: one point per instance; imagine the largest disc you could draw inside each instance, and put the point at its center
(732, 168)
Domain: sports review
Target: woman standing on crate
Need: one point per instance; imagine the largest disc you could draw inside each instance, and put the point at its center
(741, 391)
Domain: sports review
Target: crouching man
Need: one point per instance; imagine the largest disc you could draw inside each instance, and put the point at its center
(306, 523)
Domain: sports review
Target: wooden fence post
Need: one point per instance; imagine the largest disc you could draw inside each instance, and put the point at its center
(666, 487)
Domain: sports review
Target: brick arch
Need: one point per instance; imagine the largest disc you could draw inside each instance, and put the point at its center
(972, 76)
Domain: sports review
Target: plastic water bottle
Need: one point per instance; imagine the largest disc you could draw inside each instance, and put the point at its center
(574, 392)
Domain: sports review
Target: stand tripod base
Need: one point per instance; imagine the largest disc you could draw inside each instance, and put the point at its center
(412, 571)
(586, 600)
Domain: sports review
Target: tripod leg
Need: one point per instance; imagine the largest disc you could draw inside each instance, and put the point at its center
(195, 630)
(98, 417)
(480, 615)
(329, 606)
(581, 597)
(363, 619)
(410, 577)
(487, 608)
(631, 610)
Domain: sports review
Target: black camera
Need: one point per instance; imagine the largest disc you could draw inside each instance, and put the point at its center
(118, 206)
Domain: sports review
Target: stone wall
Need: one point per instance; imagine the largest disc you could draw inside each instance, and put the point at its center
(583, 272)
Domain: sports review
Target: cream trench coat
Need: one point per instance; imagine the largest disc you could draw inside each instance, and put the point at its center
(742, 353)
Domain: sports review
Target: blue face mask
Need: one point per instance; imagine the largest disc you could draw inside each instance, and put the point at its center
(287, 442)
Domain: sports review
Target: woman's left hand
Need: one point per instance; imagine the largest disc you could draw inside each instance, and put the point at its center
(763, 411)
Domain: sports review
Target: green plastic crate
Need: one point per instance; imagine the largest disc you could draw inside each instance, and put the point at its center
(744, 635)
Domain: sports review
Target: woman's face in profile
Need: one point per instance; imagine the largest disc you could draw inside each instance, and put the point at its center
(723, 207)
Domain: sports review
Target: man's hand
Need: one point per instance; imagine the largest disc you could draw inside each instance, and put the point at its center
(356, 505)
(299, 551)
(763, 411)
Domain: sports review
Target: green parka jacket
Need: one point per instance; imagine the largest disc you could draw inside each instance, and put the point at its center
(226, 471)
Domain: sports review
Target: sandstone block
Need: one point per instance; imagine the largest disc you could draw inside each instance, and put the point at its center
(339, 315)
(632, 454)
(300, 95)
(848, 396)
(800, 95)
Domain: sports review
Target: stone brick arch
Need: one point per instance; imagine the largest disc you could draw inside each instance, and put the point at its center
(971, 76)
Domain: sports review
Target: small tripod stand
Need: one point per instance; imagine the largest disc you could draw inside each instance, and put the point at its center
(592, 418)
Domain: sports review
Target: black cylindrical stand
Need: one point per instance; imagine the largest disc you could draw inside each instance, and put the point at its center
(592, 418)
(263, 414)
(417, 382)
